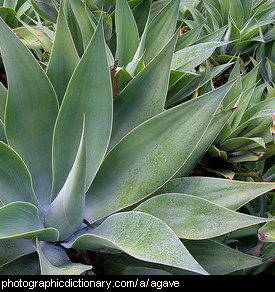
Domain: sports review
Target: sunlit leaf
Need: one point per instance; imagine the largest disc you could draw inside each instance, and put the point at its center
(191, 217)
(141, 236)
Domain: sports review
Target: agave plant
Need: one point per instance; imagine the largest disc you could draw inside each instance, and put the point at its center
(83, 171)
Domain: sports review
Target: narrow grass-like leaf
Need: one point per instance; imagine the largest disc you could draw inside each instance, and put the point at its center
(230, 194)
(126, 33)
(64, 57)
(191, 217)
(31, 111)
(141, 236)
(89, 92)
(66, 212)
(219, 259)
(21, 220)
(144, 96)
(67, 268)
(150, 155)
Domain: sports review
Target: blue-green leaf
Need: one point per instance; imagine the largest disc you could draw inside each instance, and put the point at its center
(66, 212)
(141, 236)
(150, 155)
(21, 220)
(31, 111)
(89, 92)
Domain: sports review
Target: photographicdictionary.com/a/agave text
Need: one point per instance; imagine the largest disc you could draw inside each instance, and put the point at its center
(106, 284)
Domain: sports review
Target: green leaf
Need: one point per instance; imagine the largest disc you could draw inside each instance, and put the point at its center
(189, 58)
(25, 265)
(236, 11)
(261, 109)
(219, 259)
(89, 92)
(28, 38)
(267, 232)
(66, 268)
(29, 127)
(3, 100)
(38, 33)
(46, 9)
(15, 179)
(74, 27)
(141, 236)
(141, 11)
(8, 15)
(189, 83)
(230, 194)
(144, 96)
(189, 37)
(150, 155)
(242, 143)
(11, 249)
(21, 220)
(66, 212)
(64, 57)
(161, 29)
(87, 28)
(208, 138)
(127, 35)
(2, 132)
(191, 217)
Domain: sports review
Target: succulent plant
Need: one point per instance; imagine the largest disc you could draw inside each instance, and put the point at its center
(87, 165)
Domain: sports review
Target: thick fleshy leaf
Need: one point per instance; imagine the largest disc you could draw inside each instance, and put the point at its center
(25, 265)
(89, 92)
(3, 99)
(15, 179)
(141, 236)
(2, 132)
(21, 220)
(31, 111)
(144, 97)
(64, 57)
(189, 58)
(66, 212)
(150, 155)
(231, 194)
(11, 249)
(208, 138)
(219, 259)
(192, 217)
(127, 36)
(190, 82)
(161, 29)
(66, 268)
